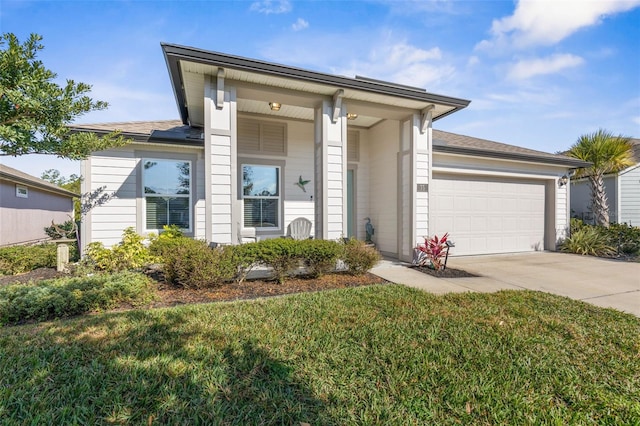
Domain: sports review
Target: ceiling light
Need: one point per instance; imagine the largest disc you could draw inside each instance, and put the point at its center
(275, 106)
(351, 116)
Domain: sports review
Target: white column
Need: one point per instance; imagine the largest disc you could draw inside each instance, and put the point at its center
(330, 172)
(220, 160)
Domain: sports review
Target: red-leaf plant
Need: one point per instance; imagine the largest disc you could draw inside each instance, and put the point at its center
(435, 251)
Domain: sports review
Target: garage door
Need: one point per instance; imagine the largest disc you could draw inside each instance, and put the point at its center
(485, 216)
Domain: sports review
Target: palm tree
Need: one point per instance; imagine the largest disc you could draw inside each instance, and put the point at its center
(607, 154)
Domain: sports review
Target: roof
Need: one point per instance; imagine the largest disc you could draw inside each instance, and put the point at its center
(173, 131)
(15, 175)
(187, 65)
(452, 143)
(635, 146)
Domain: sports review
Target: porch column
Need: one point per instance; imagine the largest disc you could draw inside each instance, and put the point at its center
(220, 160)
(330, 170)
(414, 173)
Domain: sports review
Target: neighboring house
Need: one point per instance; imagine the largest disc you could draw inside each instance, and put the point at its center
(251, 132)
(623, 194)
(28, 205)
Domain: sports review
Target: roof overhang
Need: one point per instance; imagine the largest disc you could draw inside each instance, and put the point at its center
(298, 90)
(529, 158)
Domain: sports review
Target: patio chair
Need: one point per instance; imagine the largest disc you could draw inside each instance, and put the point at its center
(300, 228)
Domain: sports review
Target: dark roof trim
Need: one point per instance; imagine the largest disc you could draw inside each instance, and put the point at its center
(174, 53)
(136, 137)
(14, 175)
(560, 161)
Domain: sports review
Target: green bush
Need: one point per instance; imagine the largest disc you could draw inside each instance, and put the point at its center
(281, 254)
(163, 244)
(319, 256)
(19, 259)
(65, 297)
(358, 257)
(192, 264)
(625, 237)
(129, 254)
(589, 240)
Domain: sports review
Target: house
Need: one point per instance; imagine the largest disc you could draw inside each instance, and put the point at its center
(623, 194)
(251, 131)
(28, 205)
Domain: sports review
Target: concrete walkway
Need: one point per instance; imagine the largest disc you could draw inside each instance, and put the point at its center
(602, 282)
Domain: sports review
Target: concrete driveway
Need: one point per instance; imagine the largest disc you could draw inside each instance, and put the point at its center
(606, 283)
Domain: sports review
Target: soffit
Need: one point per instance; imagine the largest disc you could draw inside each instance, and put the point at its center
(256, 90)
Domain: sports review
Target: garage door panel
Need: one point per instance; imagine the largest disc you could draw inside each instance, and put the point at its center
(485, 215)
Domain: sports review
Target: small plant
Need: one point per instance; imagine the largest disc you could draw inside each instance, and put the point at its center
(359, 257)
(163, 244)
(129, 254)
(625, 237)
(64, 297)
(435, 251)
(281, 254)
(588, 241)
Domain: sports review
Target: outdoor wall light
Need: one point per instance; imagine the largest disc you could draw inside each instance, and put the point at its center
(275, 106)
(563, 181)
(351, 116)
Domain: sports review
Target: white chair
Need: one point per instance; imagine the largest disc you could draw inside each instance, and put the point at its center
(300, 228)
(246, 235)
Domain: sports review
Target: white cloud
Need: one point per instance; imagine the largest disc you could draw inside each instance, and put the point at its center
(269, 6)
(299, 25)
(545, 23)
(528, 68)
(473, 60)
(636, 120)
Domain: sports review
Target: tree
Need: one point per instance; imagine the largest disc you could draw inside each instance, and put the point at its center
(35, 112)
(607, 154)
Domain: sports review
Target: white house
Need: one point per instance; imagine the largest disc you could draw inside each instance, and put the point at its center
(252, 131)
(623, 194)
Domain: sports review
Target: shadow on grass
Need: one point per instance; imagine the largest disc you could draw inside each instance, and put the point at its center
(153, 368)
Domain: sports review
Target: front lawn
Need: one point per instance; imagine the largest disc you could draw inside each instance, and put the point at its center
(369, 355)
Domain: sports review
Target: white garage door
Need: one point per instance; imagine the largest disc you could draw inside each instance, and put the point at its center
(485, 215)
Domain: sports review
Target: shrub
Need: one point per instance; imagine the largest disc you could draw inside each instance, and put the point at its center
(163, 244)
(281, 254)
(359, 257)
(589, 240)
(245, 257)
(319, 256)
(625, 237)
(65, 297)
(192, 264)
(130, 253)
(19, 259)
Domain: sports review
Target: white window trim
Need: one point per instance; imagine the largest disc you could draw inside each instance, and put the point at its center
(254, 197)
(22, 191)
(144, 196)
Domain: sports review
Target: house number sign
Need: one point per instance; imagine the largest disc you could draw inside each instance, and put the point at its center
(423, 187)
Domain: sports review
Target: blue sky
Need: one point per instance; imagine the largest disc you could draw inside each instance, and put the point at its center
(539, 73)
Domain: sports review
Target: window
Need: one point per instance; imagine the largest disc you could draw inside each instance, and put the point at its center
(22, 191)
(167, 193)
(261, 194)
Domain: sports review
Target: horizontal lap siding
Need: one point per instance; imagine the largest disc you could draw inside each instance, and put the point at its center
(299, 163)
(114, 172)
(630, 197)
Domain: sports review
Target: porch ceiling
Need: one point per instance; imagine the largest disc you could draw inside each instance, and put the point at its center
(299, 91)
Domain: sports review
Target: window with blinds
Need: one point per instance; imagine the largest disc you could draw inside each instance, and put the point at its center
(167, 193)
(260, 137)
(261, 196)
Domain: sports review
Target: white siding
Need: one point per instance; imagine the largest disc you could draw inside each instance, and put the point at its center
(362, 180)
(383, 202)
(561, 225)
(630, 197)
(581, 199)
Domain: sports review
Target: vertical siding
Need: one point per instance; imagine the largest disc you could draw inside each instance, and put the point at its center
(630, 197)
(383, 181)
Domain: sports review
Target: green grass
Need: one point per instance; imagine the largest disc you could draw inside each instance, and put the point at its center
(371, 355)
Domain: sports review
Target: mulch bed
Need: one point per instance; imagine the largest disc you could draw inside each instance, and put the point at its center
(447, 273)
(170, 295)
